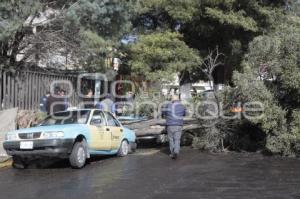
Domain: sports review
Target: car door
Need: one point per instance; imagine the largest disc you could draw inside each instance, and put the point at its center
(116, 130)
(100, 134)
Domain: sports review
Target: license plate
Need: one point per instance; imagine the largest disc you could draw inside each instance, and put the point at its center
(26, 145)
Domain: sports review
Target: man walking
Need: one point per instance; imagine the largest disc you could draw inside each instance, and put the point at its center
(174, 113)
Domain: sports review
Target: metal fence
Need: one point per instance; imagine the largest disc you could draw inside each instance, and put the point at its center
(24, 89)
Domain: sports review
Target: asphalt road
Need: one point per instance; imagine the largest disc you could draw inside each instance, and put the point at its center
(150, 173)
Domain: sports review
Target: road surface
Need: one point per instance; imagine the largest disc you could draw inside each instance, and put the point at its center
(150, 173)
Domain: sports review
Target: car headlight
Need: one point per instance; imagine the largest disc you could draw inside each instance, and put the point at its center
(11, 136)
(53, 134)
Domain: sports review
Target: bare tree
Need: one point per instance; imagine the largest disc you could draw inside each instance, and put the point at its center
(209, 64)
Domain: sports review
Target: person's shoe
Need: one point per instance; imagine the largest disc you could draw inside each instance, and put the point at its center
(175, 156)
(172, 155)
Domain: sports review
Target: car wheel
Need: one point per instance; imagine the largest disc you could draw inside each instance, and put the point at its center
(19, 163)
(124, 149)
(79, 155)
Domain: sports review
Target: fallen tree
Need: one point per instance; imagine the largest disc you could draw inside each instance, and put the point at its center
(157, 126)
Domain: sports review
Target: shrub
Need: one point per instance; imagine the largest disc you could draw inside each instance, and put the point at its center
(208, 140)
(271, 77)
(216, 134)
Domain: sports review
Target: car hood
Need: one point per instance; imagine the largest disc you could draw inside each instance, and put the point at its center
(63, 127)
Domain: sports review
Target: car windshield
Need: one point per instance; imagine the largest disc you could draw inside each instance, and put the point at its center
(67, 117)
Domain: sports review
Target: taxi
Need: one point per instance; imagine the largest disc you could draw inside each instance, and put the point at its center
(75, 134)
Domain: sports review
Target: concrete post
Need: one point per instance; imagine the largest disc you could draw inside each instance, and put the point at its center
(8, 123)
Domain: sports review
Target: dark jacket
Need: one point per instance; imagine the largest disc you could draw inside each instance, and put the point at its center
(88, 102)
(57, 103)
(43, 103)
(174, 113)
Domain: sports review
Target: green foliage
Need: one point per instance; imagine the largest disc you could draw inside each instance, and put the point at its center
(13, 15)
(87, 30)
(295, 123)
(249, 15)
(279, 91)
(281, 144)
(217, 133)
(250, 90)
(230, 25)
(94, 49)
(108, 18)
(200, 26)
(208, 140)
(40, 116)
(236, 19)
(279, 52)
(99, 26)
(273, 120)
(182, 10)
(157, 55)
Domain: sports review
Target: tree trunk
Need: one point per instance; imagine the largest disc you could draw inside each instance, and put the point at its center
(185, 86)
(215, 90)
(15, 46)
(185, 91)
